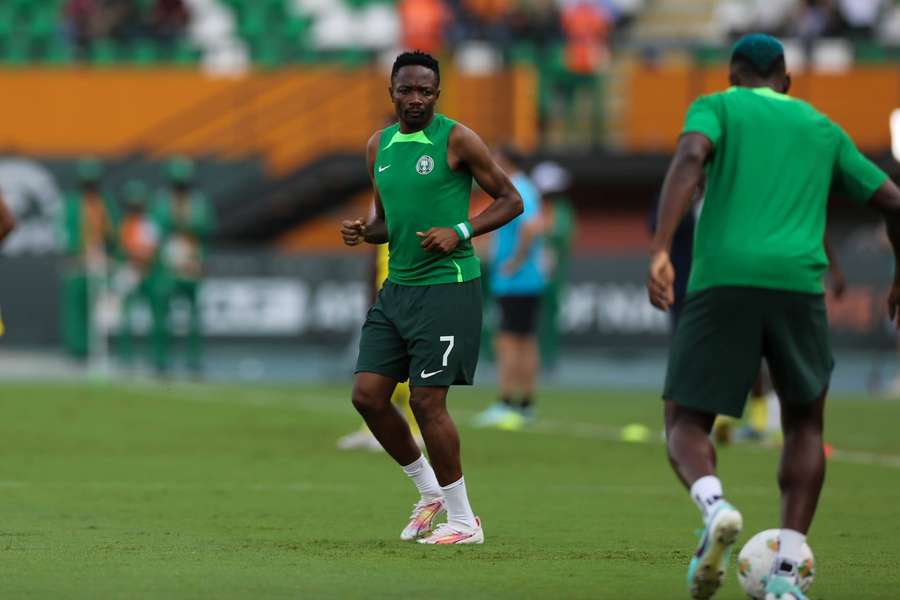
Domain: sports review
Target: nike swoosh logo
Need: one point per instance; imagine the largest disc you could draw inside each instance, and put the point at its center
(380, 169)
(425, 375)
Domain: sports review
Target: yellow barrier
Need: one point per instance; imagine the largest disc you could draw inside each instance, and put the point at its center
(288, 116)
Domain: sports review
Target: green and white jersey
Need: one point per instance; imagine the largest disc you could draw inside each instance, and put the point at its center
(774, 163)
(420, 191)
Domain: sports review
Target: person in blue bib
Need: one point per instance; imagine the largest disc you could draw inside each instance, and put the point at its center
(517, 282)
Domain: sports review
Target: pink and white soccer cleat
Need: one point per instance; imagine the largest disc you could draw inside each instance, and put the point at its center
(456, 534)
(421, 521)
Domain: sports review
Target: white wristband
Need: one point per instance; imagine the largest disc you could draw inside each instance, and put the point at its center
(463, 230)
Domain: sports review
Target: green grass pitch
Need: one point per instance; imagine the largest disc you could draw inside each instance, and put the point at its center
(196, 491)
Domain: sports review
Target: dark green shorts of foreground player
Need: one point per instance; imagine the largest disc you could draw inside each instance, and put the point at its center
(723, 334)
(428, 334)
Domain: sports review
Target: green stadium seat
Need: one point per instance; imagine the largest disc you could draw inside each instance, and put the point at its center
(295, 30)
(269, 54)
(144, 53)
(17, 51)
(104, 53)
(185, 54)
(59, 52)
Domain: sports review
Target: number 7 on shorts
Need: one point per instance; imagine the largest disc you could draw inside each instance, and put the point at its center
(451, 340)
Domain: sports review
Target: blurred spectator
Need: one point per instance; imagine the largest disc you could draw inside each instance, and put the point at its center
(79, 17)
(860, 16)
(586, 25)
(89, 238)
(133, 282)
(815, 19)
(423, 24)
(122, 20)
(184, 220)
(169, 19)
(537, 21)
(553, 182)
(489, 20)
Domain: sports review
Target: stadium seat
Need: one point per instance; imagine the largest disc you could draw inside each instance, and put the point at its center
(104, 52)
(185, 54)
(144, 53)
(58, 52)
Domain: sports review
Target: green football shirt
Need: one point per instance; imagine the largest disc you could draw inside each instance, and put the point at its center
(419, 191)
(767, 184)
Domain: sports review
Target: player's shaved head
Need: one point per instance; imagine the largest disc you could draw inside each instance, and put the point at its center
(757, 60)
(420, 59)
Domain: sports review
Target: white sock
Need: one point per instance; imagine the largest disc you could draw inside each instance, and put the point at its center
(773, 412)
(707, 495)
(457, 499)
(423, 476)
(790, 546)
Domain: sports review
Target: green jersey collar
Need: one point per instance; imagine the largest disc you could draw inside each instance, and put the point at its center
(416, 136)
(762, 91)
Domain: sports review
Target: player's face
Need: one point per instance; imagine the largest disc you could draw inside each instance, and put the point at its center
(414, 92)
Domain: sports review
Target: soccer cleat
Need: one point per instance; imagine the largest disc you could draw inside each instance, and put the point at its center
(361, 439)
(456, 534)
(707, 568)
(424, 512)
(494, 414)
(779, 587)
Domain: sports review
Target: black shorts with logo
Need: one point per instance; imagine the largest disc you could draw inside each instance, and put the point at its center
(429, 334)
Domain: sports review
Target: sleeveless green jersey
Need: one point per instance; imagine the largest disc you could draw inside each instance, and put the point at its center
(419, 191)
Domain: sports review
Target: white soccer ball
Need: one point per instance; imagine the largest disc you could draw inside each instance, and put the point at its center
(757, 557)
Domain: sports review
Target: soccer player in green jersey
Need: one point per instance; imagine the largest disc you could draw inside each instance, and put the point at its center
(425, 325)
(756, 290)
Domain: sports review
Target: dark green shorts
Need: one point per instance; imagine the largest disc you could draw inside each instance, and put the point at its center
(724, 333)
(430, 334)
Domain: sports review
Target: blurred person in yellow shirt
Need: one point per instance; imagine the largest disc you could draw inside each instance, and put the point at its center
(362, 438)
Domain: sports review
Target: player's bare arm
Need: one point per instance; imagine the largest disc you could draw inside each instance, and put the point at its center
(530, 232)
(684, 177)
(467, 151)
(7, 220)
(887, 200)
(374, 230)
(838, 283)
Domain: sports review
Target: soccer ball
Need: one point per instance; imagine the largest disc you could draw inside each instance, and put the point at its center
(757, 557)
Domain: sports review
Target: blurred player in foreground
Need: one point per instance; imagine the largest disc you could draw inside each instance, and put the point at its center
(89, 229)
(184, 220)
(426, 322)
(363, 439)
(517, 282)
(756, 290)
(138, 243)
(553, 182)
(7, 224)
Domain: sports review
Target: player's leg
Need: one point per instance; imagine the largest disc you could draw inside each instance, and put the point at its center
(372, 399)
(160, 291)
(798, 351)
(529, 370)
(444, 330)
(441, 437)
(505, 350)
(383, 361)
(401, 398)
(690, 451)
(713, 361)
(801, 472)
(195, 333)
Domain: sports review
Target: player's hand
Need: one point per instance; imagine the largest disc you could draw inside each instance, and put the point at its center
(510, 267)
(894, 304)
(661, 281)
(838, 284)
(439, 239)
(353, 232)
